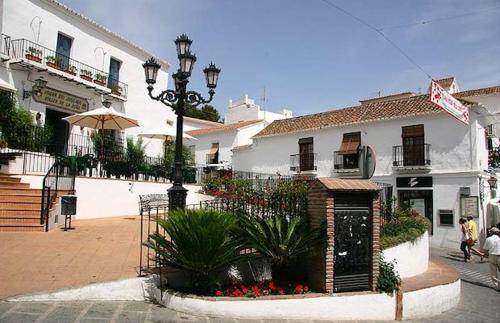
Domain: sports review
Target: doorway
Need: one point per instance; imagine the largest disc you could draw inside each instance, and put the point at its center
(419, 200)
(60, 131)
(352, 242)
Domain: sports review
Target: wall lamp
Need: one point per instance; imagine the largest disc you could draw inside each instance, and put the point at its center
(38, 85)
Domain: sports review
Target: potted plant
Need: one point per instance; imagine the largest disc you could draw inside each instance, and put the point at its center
(116, 90)
(86, 75)
(34, 54)
(100, 79)
(54, 62)
(71, 69)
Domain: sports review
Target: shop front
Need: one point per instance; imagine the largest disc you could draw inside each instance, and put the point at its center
(416, 193)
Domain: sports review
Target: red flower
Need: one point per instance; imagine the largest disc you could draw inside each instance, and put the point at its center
(219, 293)
(281, 291)
(299, 289)
(306, 289)
(256, 290)
(237, 293)
(244, 289)
(272, 286)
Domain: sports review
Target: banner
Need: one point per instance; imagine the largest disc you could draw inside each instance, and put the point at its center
(445, 100)
(62, 100)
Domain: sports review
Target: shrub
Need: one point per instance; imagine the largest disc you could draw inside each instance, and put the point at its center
(281, 241)
(388, 279)
(405, 226)
(200, 245)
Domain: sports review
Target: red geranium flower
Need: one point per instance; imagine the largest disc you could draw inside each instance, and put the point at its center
(281, 291)
(299, 289)
(272, 286)
(306, 289)
(256, 290)
(219, 293)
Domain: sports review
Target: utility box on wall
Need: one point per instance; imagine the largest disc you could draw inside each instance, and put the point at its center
(349, 261)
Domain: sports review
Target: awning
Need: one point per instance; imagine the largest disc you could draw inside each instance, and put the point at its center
(413, 131)
(214, 150)
(350, 143)
(6, 86)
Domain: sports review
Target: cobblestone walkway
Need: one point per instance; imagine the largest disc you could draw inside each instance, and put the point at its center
(479, 303)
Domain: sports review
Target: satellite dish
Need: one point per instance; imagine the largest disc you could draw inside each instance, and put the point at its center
(367, 162)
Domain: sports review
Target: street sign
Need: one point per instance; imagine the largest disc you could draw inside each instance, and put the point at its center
(446, 101)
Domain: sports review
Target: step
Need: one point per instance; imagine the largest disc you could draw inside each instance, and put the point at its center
(19, 213)
(19, 205)
(15, 220)
(20, 191)
(14, 185)
(13, 198)
(25, 215)
(22, 228)
(4, 178)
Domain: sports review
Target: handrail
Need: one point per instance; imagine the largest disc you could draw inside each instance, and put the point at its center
(56, 179)
(24, 49)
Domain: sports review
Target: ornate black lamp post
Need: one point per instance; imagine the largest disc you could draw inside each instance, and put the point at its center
(180, 100)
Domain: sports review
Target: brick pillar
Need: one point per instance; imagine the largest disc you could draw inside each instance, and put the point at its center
(376, 240)
(320, 266)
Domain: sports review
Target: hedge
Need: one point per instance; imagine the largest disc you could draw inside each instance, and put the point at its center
(402, 229)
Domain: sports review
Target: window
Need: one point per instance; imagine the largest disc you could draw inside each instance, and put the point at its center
(413, 145)
(114, 74)
(213, 155)
(350, 150)
(446, 218)
(63, 50)
(306, 154)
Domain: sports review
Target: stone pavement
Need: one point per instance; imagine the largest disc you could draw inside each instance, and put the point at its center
(479, 303)
(98, 250)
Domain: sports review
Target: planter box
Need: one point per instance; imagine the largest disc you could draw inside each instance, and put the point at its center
(101, 83)
(70, 72)
(86, 78)
(34, 58)
(116, 92)
(54, 65)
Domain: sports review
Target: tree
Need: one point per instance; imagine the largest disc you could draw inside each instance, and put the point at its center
(207, 112)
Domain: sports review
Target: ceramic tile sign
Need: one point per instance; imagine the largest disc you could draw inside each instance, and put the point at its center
(469, 206)
(65, 101)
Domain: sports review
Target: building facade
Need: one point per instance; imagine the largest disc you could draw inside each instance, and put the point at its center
(82, 62)
(429, 160)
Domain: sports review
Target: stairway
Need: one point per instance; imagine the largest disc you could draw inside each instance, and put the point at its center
(19, 205)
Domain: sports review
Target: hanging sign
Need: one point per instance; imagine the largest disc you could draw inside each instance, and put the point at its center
(445, 100)
(62, 100)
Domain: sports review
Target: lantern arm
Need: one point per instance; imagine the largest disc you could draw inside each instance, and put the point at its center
(167, 97)
(194, 98)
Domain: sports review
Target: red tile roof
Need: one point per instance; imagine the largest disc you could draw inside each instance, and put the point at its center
(477, 92)
(367, 112)
(337, 184)
(222, 128)
(447, 82)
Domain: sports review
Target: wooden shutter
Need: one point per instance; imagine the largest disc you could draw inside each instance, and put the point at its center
(413, 131)
(350, 143)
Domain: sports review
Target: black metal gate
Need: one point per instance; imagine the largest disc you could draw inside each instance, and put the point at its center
(353, 243)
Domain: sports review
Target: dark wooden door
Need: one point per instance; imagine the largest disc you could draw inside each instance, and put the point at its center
(353, 243)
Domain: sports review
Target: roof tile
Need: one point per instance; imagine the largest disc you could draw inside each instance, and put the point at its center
(222, 128)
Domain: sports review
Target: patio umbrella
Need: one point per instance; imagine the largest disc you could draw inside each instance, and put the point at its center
(166, 133)
(102, 118)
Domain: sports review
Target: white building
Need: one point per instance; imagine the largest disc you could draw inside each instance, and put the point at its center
(81, 61)
(434, 163)
(244, 119)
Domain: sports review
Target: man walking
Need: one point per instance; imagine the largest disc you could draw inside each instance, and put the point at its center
(492, 247)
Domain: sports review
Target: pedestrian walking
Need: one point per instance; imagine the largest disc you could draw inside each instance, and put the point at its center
(492, 248)
(465, 237)
(472, 228)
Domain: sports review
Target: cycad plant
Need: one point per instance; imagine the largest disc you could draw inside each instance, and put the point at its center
(283, 241)
(197, 242)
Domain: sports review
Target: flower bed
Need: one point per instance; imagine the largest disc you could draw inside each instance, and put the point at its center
(258, 289)
(406, 226)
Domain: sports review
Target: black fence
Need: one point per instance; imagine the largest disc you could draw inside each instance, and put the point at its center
(345, 161)
(411, 155)
(23, 49)
(303, 162)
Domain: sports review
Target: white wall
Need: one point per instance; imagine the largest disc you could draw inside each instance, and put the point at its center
(430, 302)
(246, 109)
(16, 23)
(226, 140)
(412, 258)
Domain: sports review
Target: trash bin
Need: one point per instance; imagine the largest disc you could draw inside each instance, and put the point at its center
(68, 208)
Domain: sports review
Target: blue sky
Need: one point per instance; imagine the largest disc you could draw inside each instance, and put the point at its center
(309, 56)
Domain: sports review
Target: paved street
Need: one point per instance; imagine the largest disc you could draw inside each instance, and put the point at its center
(479, 303)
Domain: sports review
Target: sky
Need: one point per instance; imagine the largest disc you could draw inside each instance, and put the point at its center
(307, 56)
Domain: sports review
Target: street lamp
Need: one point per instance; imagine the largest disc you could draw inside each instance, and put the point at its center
(180, 100)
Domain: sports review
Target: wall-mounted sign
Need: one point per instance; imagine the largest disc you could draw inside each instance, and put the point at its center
(62, 100)
(410, 182)
(446, 101)
(469, 205)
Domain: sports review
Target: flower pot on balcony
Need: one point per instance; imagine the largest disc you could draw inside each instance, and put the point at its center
(70, 72)
(33, 58)
(86, 78)
(116, 92)
(54, 65)
(98, 82)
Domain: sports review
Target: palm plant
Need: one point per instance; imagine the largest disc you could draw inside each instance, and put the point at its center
(199, 244)
(281, 240)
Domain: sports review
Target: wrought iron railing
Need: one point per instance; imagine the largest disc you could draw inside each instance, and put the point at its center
(303, 162)
(58, 178)
(494, 157)
(411, 155)
(344, 161)
(23, 49)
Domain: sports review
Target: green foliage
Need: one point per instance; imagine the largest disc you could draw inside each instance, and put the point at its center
(388, 279)
(281, 240)
(200, 244)
(105, 145)
(207, 112)
(135, 152)
(169, 154)
(77, 163)
(406, 225)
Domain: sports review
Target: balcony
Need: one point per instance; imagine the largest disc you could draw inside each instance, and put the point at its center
(411, 158)
(303, 162)
(28, 53)
(494, 158)
(212, 160)
(346, 164)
